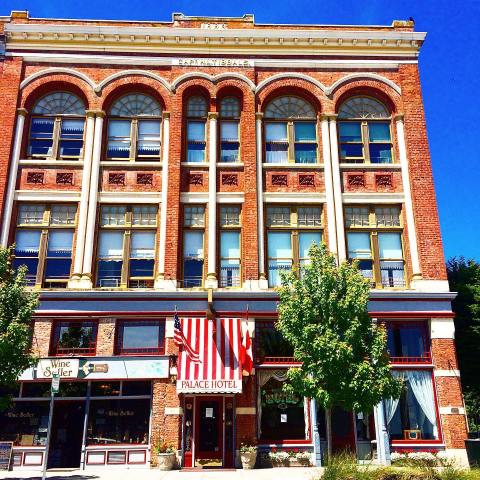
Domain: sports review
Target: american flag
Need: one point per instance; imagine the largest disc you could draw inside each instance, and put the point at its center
(181, 341)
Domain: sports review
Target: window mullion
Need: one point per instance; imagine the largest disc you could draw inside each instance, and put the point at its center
(295, 249)
(365, 139)
(376, 260)
(127, 238)
(133, 139)
(56, 138)
(291, 142)
(42, 254)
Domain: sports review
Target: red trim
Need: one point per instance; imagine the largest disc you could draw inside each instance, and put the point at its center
(137, 451)
(54, 349)
(283, 442)
(96, 452)
(109, 453)
(105, 446)
(413, 315)
(119, 327)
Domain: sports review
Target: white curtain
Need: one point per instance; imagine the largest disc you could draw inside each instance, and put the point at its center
(263, 376)
(422, 388)
(391, 404)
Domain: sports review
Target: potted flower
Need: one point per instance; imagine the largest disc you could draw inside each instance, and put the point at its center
(279, 459)
(303, 458)
(248, 455)
(165, 453)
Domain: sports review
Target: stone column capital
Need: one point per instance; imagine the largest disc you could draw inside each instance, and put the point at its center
(22, 112)
(166, 115)
(212, 115)
(259, 116)
(399, 117)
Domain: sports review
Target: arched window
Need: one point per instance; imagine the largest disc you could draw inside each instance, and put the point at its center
(229, 129)
(197, 110)
(56, 128)
(290, 131)
(364, 131)
(134, 128)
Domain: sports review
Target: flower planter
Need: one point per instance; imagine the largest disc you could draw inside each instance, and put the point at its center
(248, 460)
(166, 461)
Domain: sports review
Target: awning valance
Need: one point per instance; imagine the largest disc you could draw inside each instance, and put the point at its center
(212, 363)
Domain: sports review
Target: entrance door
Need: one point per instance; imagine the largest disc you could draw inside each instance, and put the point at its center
(209, 432)
(343, 430)
(67, 432)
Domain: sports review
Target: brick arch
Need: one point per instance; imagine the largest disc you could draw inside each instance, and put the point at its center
(237, 89)
(196, 87)
(291, 86)
(45, 85)
(372, 88)
(187, 77)
(133, 84)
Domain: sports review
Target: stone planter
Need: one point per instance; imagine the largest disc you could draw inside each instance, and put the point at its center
(248, 460)
(166, 461)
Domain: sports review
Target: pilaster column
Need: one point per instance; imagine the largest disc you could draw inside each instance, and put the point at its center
(211, 281)
(86, 280)
(337, 189)
(327, 168)
(83, 207)
(160, 279)
(12, 178)
(407, 191)
(262, 281)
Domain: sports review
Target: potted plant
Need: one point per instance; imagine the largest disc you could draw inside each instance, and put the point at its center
(279, 458)
(303, 458)
(248, 455)
(165, 453)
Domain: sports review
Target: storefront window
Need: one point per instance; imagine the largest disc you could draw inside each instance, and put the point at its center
(407, 342)
(36, 389)
(72, 389)
(414, 415)
(25, 423)
(105, 389)
(136, 388)
(118, 422)
(282, 415)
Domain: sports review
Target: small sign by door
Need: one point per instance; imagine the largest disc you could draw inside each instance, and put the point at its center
(55, 383)
(209, 412)
(5, 455)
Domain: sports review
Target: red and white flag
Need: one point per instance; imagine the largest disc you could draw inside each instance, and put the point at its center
(246, 353)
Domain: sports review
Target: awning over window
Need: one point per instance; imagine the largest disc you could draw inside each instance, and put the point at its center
(217, 368)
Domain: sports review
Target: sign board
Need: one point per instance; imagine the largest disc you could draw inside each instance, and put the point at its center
(55, 383)
(5, 455)
(99, 368)
(213, 62)
(209, 386)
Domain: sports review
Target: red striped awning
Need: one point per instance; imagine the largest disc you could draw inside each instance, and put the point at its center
(218, 344)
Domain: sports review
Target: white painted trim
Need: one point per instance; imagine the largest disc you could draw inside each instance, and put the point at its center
(12, 178)
(202, 197)
(210, 281)
(46, 195)
(446, 373)
(39, 163)
(130, 197)
(373, 197)
(173, 411)
(260, 197)
(195, 164)
(442, 328)
(430, 285)
(230, 197)
(169, 327)
(212, 78)
(448, 410)
(99, 87)
(355, 76)
(330, 199)
(370, 166)
(295, 166)
(281, 76)
(293, 197)
(59, 71)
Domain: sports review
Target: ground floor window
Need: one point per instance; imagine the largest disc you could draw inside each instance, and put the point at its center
(414, 415)
(25, 423)
(281, 416)
(118, 421)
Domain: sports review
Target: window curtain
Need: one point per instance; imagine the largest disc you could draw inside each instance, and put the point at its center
(263, 376)
(391, 404)
(422, 387)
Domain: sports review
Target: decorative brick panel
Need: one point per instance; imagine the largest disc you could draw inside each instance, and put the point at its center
(384, 180)
(306, 180)
(229, 179)
(144, 178)
(116, 178)
(195, 178)
(355, 180)
(36, 178)
(279, 180)
(64, 178)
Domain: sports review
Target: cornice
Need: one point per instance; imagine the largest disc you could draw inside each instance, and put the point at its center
(197, 40)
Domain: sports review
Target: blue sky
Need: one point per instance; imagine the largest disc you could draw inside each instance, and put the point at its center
(449, 65)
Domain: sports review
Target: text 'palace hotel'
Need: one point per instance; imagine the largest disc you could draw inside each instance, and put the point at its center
(148, 166)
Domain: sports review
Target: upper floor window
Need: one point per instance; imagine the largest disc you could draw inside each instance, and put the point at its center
(290, 233)
(229, 129)
(408, 342)
(230, 256)
(364, 131)
(197, 110)
(74, 338)
(134, 128)
(43, 242)
(374, 238)
(270, 346)
(290, 131)
(193, 247)
(126, 246)
(145, 337)
(56, 127)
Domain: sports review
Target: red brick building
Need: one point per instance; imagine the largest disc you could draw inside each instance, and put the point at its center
(148, 166)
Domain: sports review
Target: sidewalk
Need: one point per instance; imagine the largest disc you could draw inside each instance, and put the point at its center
(153, 474)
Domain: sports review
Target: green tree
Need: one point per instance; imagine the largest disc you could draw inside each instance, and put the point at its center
(17, 304)
(464, 278)
(323, 313)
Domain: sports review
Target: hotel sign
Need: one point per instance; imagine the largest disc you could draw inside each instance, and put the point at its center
(209, 386)
(213, 62)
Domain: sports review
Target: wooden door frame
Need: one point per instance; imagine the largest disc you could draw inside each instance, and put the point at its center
(220, 399)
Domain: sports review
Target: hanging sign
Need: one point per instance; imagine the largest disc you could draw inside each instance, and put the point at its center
(55, 383)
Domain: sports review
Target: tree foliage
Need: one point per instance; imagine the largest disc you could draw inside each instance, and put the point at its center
(17, 304)
(323, 313)
(464, 278)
